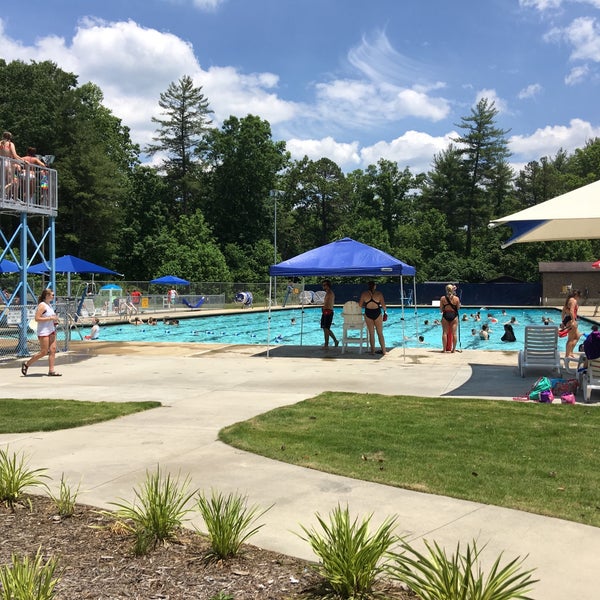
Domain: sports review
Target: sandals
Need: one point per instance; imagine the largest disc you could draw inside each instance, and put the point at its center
(54, 374)
(24, 369)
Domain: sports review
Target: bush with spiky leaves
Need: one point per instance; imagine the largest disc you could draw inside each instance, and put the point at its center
(28, 578)
(16, 476)
(351, 557)
(229, 520)
(66, 499)
(158, 509)
(459, 577)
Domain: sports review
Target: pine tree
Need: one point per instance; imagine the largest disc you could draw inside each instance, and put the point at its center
(180, 133)
(484, 151)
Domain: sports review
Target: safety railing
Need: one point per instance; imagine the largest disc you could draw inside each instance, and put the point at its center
(27, 187)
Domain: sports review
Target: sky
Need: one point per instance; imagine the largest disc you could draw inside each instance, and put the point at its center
(351, 80)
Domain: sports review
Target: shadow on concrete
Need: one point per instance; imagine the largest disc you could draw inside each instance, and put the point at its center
(316, 352)
(494, 381)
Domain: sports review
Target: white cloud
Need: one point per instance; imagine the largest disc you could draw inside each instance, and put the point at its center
(492, 96)
(205, 5)
(584, 36)
(540, 5)
(532, 90)
(386, 86)
(208, 4)
(128, 62)
(547, 141)
(413, 149)
(345, 155)
(577, 75)
(365, 104)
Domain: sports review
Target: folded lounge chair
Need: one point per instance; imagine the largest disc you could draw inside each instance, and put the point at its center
(192, 306)
(540, 349)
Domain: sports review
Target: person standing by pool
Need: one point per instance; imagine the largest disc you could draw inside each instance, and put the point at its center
(46, 320)
(449, 305)
(569, 322)
(327, 314)
(374, 303)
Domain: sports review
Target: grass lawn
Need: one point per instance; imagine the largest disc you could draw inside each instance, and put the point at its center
(534, 457)
(19, 416)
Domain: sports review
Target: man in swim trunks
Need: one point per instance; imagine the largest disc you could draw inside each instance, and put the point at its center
(449, 305)
(327, 314)
(373, 302)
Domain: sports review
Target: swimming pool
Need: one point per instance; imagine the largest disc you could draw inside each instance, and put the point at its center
(250, 327)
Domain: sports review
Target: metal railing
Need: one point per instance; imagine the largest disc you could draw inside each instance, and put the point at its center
(26, 187)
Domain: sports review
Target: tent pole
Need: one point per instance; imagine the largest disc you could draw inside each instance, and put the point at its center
(302, 311)
(415, 305)
(403, 324)
(269, 319)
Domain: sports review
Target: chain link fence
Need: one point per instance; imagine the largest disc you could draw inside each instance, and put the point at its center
(122, 301)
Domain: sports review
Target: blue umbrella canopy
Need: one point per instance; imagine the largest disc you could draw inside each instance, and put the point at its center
(345, 257)
(111, 286)
(71, 264)
(8, 266)
(170, 280)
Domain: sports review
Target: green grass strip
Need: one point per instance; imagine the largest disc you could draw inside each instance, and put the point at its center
(38, 414)
(534, 457)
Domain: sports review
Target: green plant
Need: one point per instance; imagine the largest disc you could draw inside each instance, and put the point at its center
(15, 476)
(229, 520)
(459, 577)
(351, 557)
(158, 509)
(28, 578)
(66, 499)
(222, 596)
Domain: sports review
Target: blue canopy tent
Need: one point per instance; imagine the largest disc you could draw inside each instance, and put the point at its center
(342, 258)
(170, 280)
(8, 266)
(70, 264)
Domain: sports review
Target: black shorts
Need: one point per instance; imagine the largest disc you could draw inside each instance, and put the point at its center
(326, 320)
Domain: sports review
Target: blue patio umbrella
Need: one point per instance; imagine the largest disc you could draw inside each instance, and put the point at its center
(8, 266)
(71, 264)
(170, 280)
(112, 286)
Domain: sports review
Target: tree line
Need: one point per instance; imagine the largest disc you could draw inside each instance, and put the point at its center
(207, 213)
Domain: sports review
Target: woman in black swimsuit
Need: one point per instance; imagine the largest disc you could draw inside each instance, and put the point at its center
(449, 305)
(374, 303)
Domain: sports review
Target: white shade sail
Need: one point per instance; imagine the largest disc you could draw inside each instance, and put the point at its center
(571, 216)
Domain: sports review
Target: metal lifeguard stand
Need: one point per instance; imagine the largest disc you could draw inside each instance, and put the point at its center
(27, 193)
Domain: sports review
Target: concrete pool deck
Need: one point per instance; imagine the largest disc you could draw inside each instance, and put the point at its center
(203, 388)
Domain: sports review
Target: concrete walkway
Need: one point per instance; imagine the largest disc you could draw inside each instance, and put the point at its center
(204, 388)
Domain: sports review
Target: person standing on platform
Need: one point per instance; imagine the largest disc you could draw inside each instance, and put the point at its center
(327, 314)
(449, 306)
(375, 314)
(568, 325)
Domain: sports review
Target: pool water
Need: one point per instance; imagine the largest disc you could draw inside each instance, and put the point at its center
(251, 328)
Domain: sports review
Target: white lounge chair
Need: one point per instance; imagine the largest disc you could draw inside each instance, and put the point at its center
(354, 328)
(319, 297)
(591, 379)
(540, 349)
